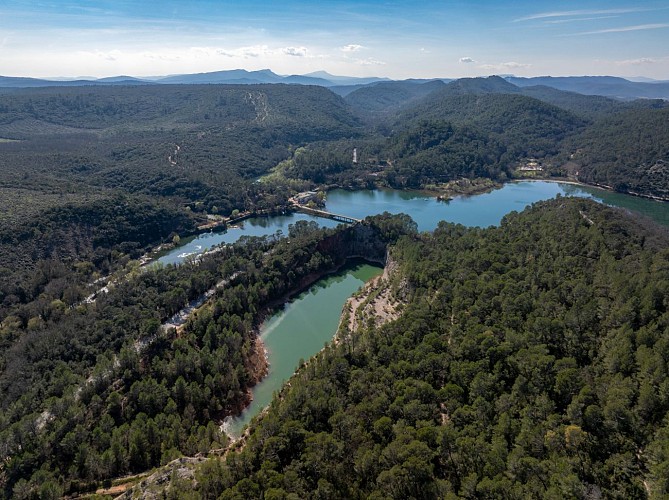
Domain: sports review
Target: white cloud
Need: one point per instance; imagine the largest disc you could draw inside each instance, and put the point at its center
(112, 55)
(640, 27)
(151, 56)
(352, 48)
(295, 51)
(505, 66)
(569, 13)
(369, 62)
(467, 60)
(637, 62)
(256, 51)
(578, 19)
(108, 55)
(246, 52)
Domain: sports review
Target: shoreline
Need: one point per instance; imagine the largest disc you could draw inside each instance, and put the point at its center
(272, 308)
(603, 187)
(155, 254)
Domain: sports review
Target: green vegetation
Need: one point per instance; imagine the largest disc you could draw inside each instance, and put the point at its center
(628, 151)
(420, 134)
(373, 102)
(91, 179)
(52, 255)
(529, 362)
(102, 390)
(197, 144)
(589, 107)
(102, 173)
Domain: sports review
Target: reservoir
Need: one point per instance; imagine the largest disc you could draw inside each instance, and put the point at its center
(300, 330)
(257, 226)
(309, 321)
(479, 210)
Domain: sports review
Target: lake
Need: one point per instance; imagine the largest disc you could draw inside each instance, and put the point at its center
(300, 330)
(479, 210)
(257, 226)
(309, 321)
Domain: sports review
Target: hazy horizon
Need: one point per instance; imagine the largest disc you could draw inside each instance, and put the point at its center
(156, 78)
(394, 39)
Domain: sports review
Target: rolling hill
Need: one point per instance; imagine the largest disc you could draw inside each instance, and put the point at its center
(526, 125)
(386, 97)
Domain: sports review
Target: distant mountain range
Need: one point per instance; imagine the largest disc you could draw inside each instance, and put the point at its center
(235, 76)
(608, 86)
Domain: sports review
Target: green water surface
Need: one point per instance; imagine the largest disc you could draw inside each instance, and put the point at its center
(300, 330)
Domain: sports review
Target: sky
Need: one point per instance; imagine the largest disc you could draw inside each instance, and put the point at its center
(395, 39)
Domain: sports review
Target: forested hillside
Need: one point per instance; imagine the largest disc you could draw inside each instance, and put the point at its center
(172, 135)
(610, 86)
(589, 107)
(91, 176)
(462, 129)
(373, 102)
(628, 151)
(529, 362)
(427, 133)
(51, 255)
(101, 390)
(526, 126)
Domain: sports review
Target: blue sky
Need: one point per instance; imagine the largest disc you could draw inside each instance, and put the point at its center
(398, 39)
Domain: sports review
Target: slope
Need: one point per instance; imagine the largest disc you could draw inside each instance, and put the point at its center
(586, 106)
(171, 151)
(525, 126)
(628, 151)
(528, 363)
(382, 98)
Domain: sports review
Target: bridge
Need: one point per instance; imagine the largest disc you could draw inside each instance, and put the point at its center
(326, 215)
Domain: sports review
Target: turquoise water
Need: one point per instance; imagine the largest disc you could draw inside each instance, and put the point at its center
(299, 331)
(309, 321)
(258, 226)
(480, 210)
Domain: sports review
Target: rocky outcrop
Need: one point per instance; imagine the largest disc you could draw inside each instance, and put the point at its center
(363, 241)
(377, 303)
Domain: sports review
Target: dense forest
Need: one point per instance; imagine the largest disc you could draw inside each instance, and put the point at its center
(627, 151)
(493, 127)
(194, 143)
(529, 362)
(91, 177)
(103, 390)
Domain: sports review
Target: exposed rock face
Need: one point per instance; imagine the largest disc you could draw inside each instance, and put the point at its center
(358, 241)
(376, 304)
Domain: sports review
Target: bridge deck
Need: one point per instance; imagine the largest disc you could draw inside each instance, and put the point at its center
(328, 215)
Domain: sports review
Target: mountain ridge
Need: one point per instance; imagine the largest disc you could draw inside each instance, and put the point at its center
(608, 86)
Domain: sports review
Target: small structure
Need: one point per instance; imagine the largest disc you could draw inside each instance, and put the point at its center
(306, 197)
(355, 156)
(532, 165)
